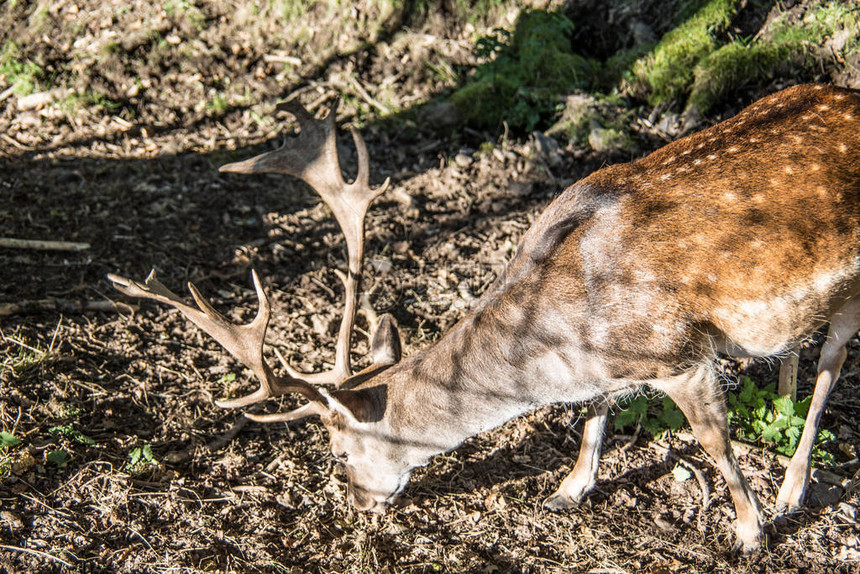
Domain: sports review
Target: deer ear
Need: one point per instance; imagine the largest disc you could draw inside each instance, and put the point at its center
(364, 405)
(385, 346)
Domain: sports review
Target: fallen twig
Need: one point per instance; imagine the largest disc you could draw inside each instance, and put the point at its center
(42, 245)
(62, 305)
(277, 59)
(228, 436)
(9, 91)
(700, 477)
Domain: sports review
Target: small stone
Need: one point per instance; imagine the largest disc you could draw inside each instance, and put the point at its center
(681, 474)
(35, 101)
(462, 160)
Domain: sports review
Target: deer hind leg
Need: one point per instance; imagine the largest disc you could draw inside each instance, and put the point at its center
(843, 326)
(697, 393)
(584, 474)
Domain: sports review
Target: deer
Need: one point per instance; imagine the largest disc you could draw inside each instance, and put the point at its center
(741, 240)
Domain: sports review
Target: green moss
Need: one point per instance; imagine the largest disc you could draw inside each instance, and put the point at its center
(528, 78)
(21, 74)
(788, 47)
(667, 72)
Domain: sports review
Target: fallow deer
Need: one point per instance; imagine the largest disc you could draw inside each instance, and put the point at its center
(741, 239)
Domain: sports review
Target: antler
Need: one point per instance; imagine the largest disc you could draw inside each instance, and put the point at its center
(244, 342)
(312, 157)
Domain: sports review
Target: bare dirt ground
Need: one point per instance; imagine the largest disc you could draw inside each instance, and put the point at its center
(143, 190)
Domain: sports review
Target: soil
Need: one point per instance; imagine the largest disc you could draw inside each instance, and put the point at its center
(99, 377)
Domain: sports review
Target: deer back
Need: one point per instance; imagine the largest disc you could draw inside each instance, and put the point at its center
(742, 237)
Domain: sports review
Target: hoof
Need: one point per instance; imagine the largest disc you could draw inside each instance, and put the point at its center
(557, 502)
(782, 508)
(747, 548)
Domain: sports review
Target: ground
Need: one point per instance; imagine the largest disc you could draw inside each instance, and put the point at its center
(121, 462)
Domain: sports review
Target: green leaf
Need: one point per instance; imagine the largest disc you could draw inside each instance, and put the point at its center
(771, 433)
(639, 405)
(58, 457)
(784, 406)
(801, 408)
(748, 391)
(134, 457)
(652, 426)
(8, 439)
(673, 419)
(798, 422)
(625, 418)
(825, 435)
(71, 433)
(147, 453)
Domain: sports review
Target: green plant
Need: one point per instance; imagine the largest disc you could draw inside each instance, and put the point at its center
(21, 74)
(699, 61)
(8, 440)
(70, 432)
(655, 417)
(140, 458)
(58, 457)
(22, 358)
(532, 70)
(760, 415)
(90, 98)
(756, 415)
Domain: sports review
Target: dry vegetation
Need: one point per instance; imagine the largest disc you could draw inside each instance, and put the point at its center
(113, 120)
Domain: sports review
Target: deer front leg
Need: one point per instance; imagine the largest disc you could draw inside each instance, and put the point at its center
(697, 393)
(843, 326)
(584, 474)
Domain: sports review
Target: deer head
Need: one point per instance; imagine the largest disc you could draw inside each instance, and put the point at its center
(375, 472)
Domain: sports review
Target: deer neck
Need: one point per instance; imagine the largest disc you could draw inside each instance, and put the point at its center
(496, 364)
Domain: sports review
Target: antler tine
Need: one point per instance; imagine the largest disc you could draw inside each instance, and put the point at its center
(312, 156)
(244, 342)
